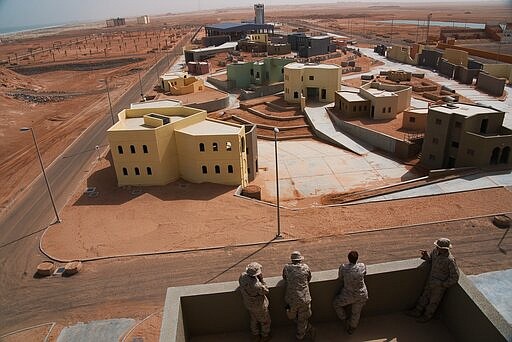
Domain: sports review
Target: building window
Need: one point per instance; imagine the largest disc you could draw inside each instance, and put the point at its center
(217, 169)
(132, 149)
(354, 108)
(455, 144)
(389, 109)
(432, 157)
(412, 119)
(228, 146)
(311, 78)
(458, 124)
(215, 146)
(435, 141)
(439, 121)
(383, 109)
(242, 143)
(125, 171)
(249, 170)
(252, 72)
(471, 152)
(120, 149)
(230, 168)
(295, 94)
(201, 147)
(483, 126)
(324, 94)
(360, 108)
(149, 171)
(205, 169)
(282, 70)
(145, 148)
(137, 171)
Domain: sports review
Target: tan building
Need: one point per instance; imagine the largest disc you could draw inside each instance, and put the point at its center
(377, 100)
(415, 120)
(156, 146)
(180, 83)
(462, 135)
(313, 82)
(258, 37)
(143, 20)
(457, 57)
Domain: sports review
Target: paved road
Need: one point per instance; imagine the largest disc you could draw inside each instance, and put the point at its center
(22, 225)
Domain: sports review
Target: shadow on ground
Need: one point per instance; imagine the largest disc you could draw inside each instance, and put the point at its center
(109, 193)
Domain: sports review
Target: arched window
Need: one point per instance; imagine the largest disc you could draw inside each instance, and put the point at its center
(295, 94)
(120, 149)
(217, 169)
(205, 169)
(504, 155)
(137, 171)
(228, 146)
(230, 168)
(145, 148)
(201, 147)
(215, 146)
(495, 156)
(149, 171)
(125, 171)
(132, 149)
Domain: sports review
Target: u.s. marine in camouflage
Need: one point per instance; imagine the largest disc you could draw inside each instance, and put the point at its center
(444, 273)
(254, 295)
(297, 297)
(353, 292)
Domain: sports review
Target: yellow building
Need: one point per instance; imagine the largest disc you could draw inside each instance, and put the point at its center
(314, 82)
(180, 83)
(258, 37)
(156, 146)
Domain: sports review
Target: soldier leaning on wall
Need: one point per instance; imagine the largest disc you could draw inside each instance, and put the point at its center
(254, 295)
(444, 273)
(297, 297)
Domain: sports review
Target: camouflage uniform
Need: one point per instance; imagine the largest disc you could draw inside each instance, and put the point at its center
(443, 274)
(255, 300)
(297, 277)
(353, 293)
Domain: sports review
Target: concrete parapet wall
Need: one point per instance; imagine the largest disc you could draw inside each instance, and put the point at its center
(446, 68)
(429, 58)
(465, 75)
(499, 70)
(222, 85)
(480, 53)
(491, 85)
(262, 91)
(193, 310)
(212, 106)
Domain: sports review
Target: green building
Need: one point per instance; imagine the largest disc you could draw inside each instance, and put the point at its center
(267, 71)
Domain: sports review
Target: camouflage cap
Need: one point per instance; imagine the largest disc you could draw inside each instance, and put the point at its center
(296, 256)
(253, 269)
(443, 243)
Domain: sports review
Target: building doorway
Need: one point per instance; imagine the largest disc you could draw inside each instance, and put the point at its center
(495, 156)
(312, 94)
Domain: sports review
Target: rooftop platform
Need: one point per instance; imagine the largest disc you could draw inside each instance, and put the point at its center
(466, 110)
(191, 312)
(210, 127)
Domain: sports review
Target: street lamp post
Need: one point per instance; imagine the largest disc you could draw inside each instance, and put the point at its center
(109, 102)
(278, 236)
(25, 129)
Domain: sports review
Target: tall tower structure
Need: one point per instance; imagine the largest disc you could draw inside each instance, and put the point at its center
(259, 14)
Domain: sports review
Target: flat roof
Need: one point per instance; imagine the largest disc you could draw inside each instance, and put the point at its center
(380, 93)
(208, 127)
(137, 124)
(240, 26)
(155, 104)
(463, 109)
(351, 96)
(311, 65)
(320, 37)
(227, 45)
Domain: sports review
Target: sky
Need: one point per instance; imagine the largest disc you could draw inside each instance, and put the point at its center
(15, 13)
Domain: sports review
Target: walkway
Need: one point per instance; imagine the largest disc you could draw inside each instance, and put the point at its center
(324, 128)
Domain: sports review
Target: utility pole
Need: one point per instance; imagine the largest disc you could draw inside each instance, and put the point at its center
(428, 26)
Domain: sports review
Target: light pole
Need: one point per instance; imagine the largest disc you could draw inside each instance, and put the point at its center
(428, 26)
(141, 92)
(25, 129)
(109, 102)
(278, 236)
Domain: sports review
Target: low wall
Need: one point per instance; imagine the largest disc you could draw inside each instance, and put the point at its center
(211, 106)
(429, 58)
(222, 85)
(491, 85)
(480, 53)
(446, 68)
(392, 287)
(261, 91)
(465, 75)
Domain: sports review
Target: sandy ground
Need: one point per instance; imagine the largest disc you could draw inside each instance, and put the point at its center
(182, 215)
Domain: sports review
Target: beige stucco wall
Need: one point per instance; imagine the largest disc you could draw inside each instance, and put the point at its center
(258, 37)
(499, 70)
(457, 57)
(324, 77)
(401, 54)
(172, 154)
(419, 124)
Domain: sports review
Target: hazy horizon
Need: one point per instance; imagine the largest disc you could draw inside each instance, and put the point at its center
(26, 13)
